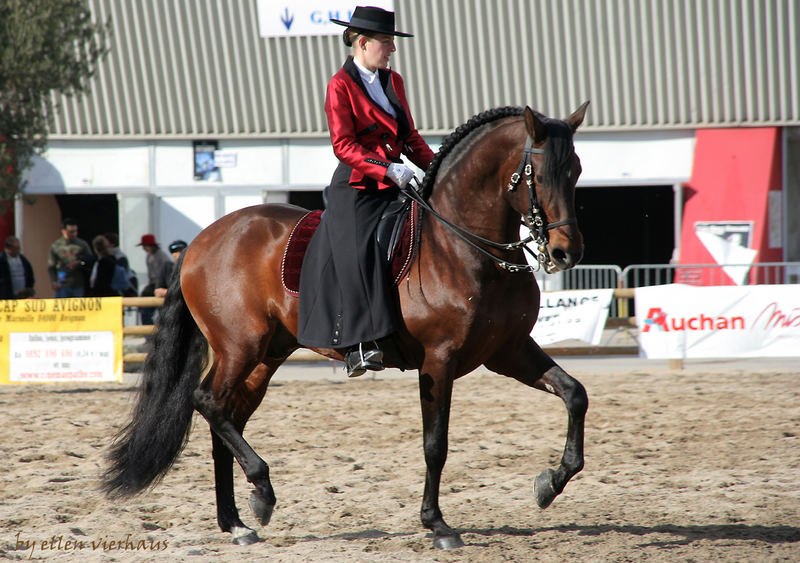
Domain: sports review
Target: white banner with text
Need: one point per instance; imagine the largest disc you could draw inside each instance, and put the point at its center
(572, 315)
(686, 321)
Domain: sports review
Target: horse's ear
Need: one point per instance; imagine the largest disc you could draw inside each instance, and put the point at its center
(534, 125)
(574, 121)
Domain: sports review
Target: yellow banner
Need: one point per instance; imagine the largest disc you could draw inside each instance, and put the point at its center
(75, 339)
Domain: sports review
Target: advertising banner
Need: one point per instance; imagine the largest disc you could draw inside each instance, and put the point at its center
(307, 17)
(46, 340)
(572, 315)
(683, 321)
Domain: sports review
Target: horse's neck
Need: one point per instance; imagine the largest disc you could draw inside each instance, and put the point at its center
(474, 198)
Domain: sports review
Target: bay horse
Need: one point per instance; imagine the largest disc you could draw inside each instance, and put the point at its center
(466, 301)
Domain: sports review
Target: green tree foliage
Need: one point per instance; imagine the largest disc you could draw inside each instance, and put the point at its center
(47, 47)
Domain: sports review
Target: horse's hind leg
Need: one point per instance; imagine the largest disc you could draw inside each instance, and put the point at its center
(227, 405)
(533, 367)
(227, 513)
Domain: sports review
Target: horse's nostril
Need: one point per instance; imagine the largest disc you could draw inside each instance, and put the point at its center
(559, 256)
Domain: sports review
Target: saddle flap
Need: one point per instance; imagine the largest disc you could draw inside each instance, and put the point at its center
(391, 224)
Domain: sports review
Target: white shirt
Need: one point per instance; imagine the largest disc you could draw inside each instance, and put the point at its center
(373, 85)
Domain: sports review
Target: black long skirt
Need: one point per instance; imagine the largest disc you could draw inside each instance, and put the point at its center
(345, 293)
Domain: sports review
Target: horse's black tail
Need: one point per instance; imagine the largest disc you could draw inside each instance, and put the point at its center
(147, 446)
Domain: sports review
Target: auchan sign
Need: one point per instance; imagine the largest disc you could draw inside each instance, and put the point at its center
(683, 321)
(657, 319)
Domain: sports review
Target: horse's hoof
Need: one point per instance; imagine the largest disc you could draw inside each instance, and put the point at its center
(261, 509)
(244, 536)
(448, 542)
(544, 489)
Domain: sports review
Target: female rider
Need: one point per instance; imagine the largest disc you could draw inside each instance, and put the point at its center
(346, 300)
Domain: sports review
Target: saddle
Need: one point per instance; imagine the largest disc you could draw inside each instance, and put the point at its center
(397, 235)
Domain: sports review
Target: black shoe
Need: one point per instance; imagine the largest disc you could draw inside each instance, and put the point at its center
(357, 361)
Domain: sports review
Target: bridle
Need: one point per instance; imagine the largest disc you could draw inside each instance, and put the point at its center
(535, 220)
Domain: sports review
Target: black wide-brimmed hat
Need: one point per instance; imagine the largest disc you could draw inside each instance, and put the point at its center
(370, 18)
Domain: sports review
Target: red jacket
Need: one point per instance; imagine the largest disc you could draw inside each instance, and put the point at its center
(364, 136)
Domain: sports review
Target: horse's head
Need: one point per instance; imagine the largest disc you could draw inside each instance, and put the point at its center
(546, 196)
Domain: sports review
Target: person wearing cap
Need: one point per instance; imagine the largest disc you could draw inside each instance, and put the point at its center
(155, 260)
(346, 300)
(176, 247)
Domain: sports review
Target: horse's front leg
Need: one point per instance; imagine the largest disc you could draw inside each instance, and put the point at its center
(533, 367)
(549, 484)
(435, 396)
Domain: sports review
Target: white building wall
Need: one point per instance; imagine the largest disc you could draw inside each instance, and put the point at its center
(258, 163)
(155, 185)
(158, 194)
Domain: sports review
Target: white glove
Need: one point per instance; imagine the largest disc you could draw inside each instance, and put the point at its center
(400, 174)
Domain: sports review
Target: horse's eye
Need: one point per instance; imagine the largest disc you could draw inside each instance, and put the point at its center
(539, 178)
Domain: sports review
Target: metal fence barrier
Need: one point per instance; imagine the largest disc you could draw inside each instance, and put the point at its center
(592, 277)
(581, 277)
(642, 275)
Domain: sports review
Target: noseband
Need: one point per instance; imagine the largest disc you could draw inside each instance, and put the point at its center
(535, 220)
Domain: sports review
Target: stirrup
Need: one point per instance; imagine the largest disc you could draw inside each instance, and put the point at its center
(358, 361)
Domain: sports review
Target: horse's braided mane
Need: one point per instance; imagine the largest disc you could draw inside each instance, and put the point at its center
(558, 151)
(456, 136)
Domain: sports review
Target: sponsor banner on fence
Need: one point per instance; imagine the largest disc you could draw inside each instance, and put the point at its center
(684, 321)
(572, 315)
(46, 340)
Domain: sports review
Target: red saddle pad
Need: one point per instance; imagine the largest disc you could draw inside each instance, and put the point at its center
(296, 247)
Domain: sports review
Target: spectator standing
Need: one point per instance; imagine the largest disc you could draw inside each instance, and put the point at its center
(176, 247)
(103, 270)
(156, 258)
(16, 272)
(122, 260)
(69, 262)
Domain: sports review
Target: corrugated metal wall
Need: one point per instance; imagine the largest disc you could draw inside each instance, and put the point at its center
(198, 68)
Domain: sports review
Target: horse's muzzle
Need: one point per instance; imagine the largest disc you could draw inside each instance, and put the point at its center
(564, 258)
(566, 246)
